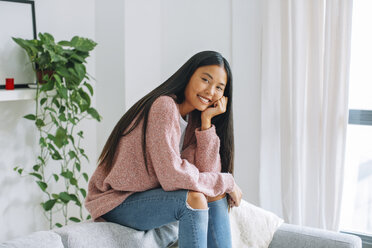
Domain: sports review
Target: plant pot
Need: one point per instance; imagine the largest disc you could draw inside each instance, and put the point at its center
(40, 75)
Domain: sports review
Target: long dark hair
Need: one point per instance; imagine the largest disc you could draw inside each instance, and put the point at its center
(175, 85)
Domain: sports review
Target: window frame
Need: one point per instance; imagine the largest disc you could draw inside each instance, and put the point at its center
(361, 117)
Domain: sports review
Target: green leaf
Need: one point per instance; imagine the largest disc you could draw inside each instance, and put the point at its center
(72, 120)
(74, 219)
(89, 217)
(59, 225)
(67, 174)
(56, 156)
(56, 177)
(40, 123)
(51, 109)
(43, 60)
(85, 175)
(78, 203)
(80, 71)
(78, 58)
(48, 205)
(48, 86)
(62, 117)
(82, 44)
(72, 154)
(90, 88)
(71, 138)
(85, 156)
(75, 199)
(30, 117)
(54, 119)
(65, 197)
(76, 98)
(36, 167)
(42, 185)
(73, 76)
(60, 138)
(55, 196)
(36, 175)
(42, 101)
(64, 43)
(83, 192)
(46, 38)
(56, 58)
(73, 181)
(62, 109)
(63, 72)
(41, 159)
(57, 78)
(94, 114)
(62, 91)
(20, 171)
(86, 101)
(78, 166)
(28, 46)
(55, 102)
(42, 142)
(80, 134)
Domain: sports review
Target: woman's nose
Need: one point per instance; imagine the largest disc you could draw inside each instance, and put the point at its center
(210, 90)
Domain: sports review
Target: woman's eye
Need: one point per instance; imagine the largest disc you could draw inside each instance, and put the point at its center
(219, 88)
(204, 79)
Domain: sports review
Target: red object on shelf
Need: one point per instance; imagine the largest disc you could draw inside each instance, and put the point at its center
(9, 83)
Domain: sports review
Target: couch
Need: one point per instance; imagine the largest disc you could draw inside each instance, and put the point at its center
(101, 234)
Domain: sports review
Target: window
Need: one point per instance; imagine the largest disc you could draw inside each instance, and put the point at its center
(356, 214)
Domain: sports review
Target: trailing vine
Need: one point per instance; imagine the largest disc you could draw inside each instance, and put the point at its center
(63, 101)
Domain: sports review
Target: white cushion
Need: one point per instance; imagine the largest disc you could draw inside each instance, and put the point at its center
(105, 234)
(41, 239)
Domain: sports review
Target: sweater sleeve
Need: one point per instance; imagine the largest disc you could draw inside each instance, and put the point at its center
(207, 153)
(162, 142)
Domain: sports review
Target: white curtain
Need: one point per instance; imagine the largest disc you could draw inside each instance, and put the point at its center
(305, 72)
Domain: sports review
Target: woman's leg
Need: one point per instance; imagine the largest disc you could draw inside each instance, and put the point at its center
(154, 208)
(219, 234)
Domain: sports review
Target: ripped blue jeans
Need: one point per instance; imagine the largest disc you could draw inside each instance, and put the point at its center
(154, 208)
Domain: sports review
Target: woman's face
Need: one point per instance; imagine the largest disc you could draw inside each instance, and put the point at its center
(206, 86)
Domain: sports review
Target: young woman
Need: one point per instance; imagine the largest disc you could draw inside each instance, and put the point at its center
(170, 158)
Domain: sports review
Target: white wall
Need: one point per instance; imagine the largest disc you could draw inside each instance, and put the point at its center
(161, 35)
(19, 197)
(19, 209)
(246, 33)
(110, 69)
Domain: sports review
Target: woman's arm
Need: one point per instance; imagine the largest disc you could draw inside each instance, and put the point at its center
(207, 150)
(163, 136)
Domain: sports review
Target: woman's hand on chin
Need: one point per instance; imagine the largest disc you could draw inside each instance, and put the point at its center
(219, 107)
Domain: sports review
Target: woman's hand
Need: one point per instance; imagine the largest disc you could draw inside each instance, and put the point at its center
(219, 107)
(235, 196)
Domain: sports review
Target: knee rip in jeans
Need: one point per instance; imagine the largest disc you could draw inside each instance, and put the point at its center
(196, 201)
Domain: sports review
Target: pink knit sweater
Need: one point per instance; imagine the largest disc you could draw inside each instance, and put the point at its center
(197, 168)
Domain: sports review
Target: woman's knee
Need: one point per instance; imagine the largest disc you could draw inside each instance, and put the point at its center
(197, 200)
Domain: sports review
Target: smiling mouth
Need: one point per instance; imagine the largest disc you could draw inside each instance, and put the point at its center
(204, 100)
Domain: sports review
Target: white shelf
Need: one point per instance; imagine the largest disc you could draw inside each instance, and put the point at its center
(17, 94)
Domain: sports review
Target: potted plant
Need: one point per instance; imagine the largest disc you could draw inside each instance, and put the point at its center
(63, 100)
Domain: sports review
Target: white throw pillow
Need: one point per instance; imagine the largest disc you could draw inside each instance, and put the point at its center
(252, 227)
